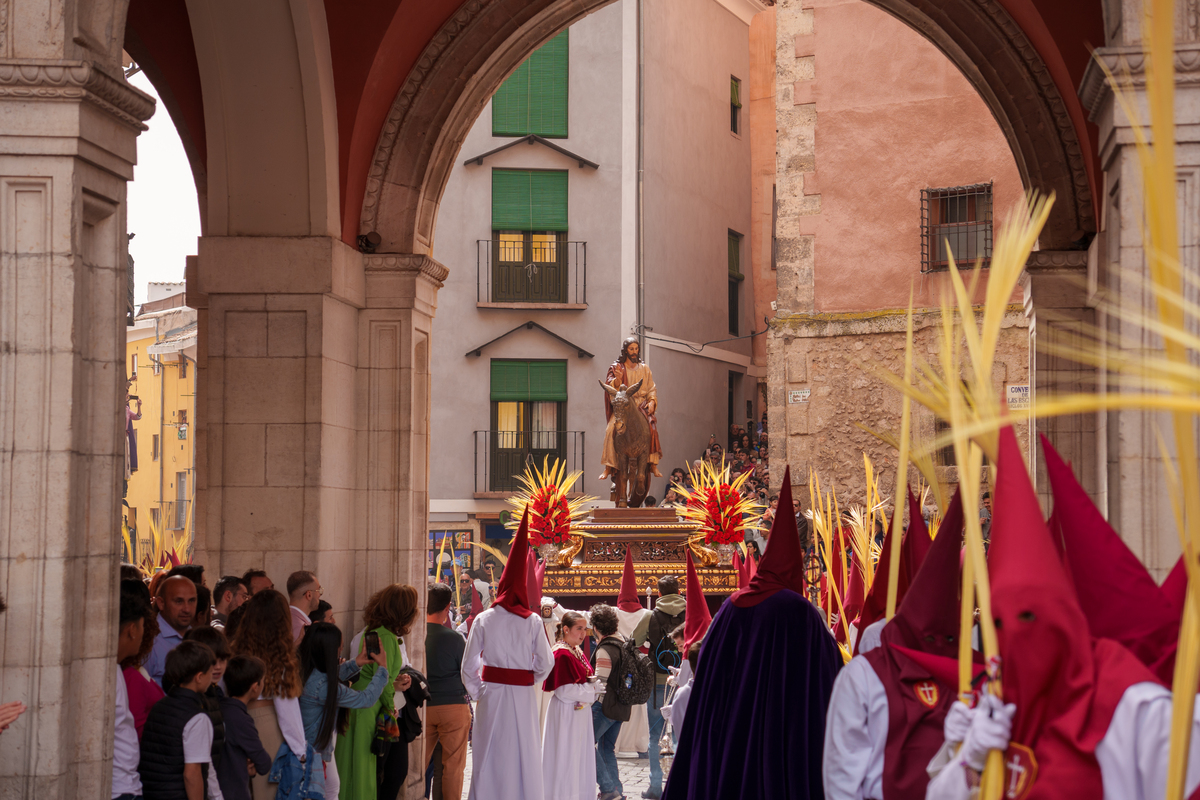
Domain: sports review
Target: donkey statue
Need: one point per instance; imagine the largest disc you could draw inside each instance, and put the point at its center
(631, 441)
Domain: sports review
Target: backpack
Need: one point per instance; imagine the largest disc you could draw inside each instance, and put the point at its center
(634, 682)
(663, 653)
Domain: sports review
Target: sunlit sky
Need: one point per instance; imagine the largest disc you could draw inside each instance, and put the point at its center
(163, 211)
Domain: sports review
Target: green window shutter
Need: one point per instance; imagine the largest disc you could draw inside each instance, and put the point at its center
(549, 200)
(510, 104)
(548, 88)
(524, 200)
(735, 254)
(511, 201)
(529, 380)
(510, 380)
(534, 98)
(548, 380)
(735, 92)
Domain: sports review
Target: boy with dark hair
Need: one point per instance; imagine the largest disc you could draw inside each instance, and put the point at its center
(177, 740)
(215, 640)
(243, 684)
(134, 610)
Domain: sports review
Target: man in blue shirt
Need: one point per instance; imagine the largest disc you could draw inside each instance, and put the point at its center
(176, 604)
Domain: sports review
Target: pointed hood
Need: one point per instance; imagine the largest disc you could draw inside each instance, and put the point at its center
(1174, 588)
(930, 610)
(916, 542)
(1064, 682)
(534, 591)
(513, 592)
(856, 591)
(476, 607)
(540, 571)
(739, 567)
(697, 617)
(627, 600)
(782, 566)
(875, 605)
(1117, 595)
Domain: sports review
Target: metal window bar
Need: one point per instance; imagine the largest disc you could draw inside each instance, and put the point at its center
(527, 261)
(958, 221)
(502, 456)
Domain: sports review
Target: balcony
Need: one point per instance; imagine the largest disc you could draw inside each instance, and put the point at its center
(501, 457)
(531, 271)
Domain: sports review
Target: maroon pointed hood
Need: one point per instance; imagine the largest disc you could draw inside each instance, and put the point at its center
(697, 617)
(739, 568)
(476, 607)
(930, 608)
(513, 593)
(1174, 588)
(782, 566)
(916, 542)
(627, 600)
(875, 606)
(1117, 595)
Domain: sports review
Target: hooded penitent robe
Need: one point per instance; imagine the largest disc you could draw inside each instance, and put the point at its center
(1116, 593)
(506, 660)
(755, 721)
(886, 713)
(1091, 720)
(633, 621)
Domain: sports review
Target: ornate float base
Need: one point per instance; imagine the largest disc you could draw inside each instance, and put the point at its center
(659, 542)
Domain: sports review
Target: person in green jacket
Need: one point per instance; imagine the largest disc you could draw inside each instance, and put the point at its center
(390, 613)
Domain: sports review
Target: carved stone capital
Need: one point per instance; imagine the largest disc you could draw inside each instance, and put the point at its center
(76, 80)
(1127, 65)
(406, 262)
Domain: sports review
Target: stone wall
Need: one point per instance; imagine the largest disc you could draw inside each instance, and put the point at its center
(835, 357)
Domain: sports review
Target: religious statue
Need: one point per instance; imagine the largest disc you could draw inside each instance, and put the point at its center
(631, 449)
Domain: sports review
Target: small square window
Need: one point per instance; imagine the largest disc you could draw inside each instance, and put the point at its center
(956, 222)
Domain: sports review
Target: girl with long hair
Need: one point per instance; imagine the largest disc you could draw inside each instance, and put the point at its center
(568, 744)
(389, 614)
(266, 632)
(325, 693)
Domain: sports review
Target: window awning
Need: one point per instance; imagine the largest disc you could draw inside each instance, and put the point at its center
(533, 138)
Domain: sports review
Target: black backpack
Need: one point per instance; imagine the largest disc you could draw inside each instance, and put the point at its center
(663, 653)
(634, 680)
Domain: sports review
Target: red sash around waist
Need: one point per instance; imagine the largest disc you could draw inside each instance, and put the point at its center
(509, 677)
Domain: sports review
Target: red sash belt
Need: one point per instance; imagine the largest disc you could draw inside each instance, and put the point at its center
(508, 677)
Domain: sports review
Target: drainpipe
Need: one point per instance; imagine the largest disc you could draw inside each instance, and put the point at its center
(162, 411)
(641, 179)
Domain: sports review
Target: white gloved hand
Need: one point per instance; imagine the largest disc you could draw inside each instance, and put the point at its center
(958, 722)
(991, 728)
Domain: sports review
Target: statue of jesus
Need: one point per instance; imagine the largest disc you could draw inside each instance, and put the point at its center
(626, 371)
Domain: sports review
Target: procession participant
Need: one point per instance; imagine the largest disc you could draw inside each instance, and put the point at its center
(507, 653)
(886, 714)
(1090, 719)
(550, 613)
(670, 612)
(633, 622)
(627, 370)
(874, 610)
(755, 721)
(569, 749)
(1116, 593)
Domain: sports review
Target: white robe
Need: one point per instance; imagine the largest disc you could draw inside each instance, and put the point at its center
(550, 625)
(635, 734)
(506, 746)
(1132, 754)
(569, 746)
(856, 729)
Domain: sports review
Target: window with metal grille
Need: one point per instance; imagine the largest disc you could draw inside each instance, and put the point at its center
(529, 405)
(956, 222)
(944, 455)
(534, 98)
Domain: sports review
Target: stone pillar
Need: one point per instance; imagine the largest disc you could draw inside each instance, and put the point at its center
(1138, 504)
(394, 339)
(67, 147)
(1059, 311)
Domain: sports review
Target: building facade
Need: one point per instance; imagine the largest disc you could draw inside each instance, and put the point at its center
(886, 154)
(161, 466)
(577, 216)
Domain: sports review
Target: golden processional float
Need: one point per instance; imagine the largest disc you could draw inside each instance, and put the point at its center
(584, 550)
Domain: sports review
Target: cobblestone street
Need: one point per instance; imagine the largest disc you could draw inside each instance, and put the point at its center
(635, 776)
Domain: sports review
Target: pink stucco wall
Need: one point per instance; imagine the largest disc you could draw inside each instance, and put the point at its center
(894, 116)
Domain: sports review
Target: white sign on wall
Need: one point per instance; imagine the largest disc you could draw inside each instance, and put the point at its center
(1018, 397)
(798, 396)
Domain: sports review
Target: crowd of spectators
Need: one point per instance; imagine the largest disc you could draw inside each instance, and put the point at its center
(241, 693)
